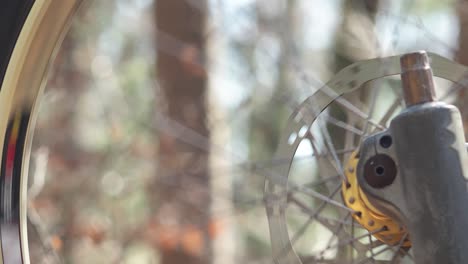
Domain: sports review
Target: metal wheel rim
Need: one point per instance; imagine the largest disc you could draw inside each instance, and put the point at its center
(23, 84)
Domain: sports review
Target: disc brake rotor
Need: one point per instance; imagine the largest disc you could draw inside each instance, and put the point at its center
(277, 185)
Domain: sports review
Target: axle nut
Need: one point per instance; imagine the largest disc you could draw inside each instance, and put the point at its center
(380, 171)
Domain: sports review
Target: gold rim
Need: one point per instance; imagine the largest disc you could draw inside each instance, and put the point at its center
(24, 81)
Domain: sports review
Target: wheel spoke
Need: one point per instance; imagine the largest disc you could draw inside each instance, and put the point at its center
(333, 159)
(399, 249)
(312, 217)
(351, 241)
(321, 197)
(341, 124)
(381, 251)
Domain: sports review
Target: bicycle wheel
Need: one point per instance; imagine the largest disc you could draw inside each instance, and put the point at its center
(309, 222)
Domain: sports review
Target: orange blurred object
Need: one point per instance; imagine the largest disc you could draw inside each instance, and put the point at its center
(192, 241)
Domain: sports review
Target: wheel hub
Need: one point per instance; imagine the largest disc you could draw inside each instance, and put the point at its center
(381, 226)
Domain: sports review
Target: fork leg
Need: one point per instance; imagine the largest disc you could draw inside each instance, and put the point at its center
(429, 193)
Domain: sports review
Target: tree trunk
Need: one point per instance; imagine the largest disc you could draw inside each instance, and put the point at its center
(182, 188)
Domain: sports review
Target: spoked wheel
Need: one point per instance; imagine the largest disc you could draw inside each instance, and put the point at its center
(321, 218)
(329, 207)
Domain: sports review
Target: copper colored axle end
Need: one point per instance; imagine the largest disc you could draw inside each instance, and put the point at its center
(416, 77)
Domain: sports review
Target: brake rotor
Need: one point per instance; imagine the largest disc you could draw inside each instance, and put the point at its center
(381, 226)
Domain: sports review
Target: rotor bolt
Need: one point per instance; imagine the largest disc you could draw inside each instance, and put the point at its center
(371, 222)
(351, 200)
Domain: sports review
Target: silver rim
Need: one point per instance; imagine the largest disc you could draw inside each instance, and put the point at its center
(41, 34)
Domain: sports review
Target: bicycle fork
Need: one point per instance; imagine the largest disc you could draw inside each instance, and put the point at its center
(415, 170)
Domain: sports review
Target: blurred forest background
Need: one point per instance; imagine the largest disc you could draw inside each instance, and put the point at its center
(159, 117)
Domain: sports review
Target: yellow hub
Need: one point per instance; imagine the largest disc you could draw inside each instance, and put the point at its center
(382, 227)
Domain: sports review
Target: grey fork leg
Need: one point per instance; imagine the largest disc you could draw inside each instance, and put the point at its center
(427, 192)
